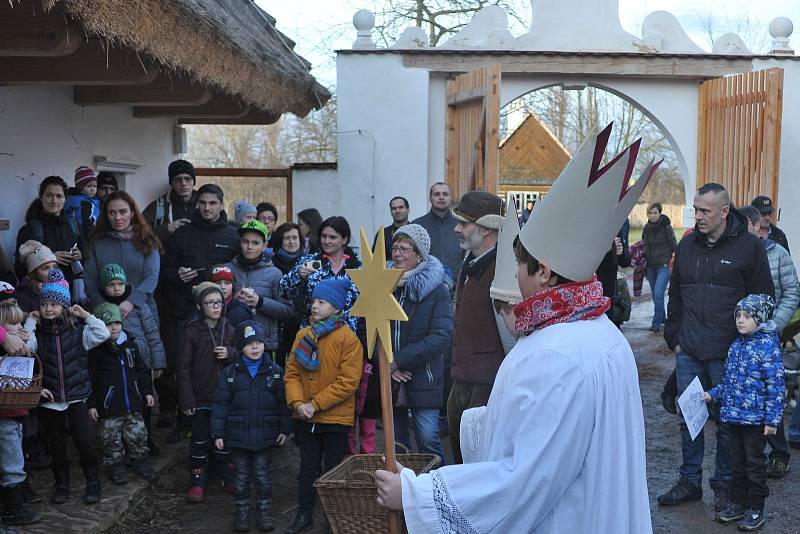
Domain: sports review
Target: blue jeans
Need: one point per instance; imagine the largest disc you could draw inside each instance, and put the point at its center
(658, 278)
(255, 466)
(710, 374)
(426, 430)
(12, 460)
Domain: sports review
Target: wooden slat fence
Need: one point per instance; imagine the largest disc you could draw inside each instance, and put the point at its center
(739, 135)
(473, 121)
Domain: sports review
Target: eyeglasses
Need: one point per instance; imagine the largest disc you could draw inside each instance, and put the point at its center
(402, 250)
(213, 303)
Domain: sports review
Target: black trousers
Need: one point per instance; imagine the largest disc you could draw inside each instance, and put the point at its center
(316, 449)
(748, 465)
(55, 430)
(780, 445)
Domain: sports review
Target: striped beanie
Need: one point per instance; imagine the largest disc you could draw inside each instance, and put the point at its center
(56, 289)
(84, 175)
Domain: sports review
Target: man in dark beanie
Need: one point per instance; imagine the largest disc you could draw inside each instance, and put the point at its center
(106, 184)
(478, 344)
(166, 214)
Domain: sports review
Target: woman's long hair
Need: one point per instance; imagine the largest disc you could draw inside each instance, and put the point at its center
(145, 239)
(313, 219)
(283, 229)
(36, 209)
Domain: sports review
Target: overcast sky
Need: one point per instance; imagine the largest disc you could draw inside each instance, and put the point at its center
(320, 26)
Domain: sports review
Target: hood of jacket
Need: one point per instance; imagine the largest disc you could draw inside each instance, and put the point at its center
(425, 279)
(247, 265)
(662, 221)
(736, 223)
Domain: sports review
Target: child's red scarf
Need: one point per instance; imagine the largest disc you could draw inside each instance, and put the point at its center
(566, 303)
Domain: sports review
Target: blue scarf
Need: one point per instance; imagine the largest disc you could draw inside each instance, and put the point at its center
(252, 365)
(306, 349)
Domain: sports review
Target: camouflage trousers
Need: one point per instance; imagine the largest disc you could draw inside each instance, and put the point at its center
(120, 432)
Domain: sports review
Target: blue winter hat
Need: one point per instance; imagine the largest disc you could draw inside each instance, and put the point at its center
(242, 208)
(333, 291)
(249, 331)
(56, 289)
(759, 306)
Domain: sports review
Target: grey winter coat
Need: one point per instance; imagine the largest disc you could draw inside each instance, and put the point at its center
(143, 326)
(420, 342)
(784, 277)
(264, 278)
(142, 271)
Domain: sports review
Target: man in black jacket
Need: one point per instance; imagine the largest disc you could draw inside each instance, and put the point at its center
(715, 267)
(768, 230)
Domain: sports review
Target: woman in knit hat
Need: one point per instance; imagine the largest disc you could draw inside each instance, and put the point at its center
(64, 335)
(39, 260)
(46, 222)
(420, 342)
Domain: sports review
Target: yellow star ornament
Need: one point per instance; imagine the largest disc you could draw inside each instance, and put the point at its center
(376, 303)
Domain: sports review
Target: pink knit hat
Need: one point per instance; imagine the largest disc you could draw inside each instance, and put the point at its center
(34, 254)
(84, 175)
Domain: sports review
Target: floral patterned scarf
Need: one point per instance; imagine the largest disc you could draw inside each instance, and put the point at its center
(577, 301)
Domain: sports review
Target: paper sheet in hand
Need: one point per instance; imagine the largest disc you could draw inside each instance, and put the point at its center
(16, 371)
(693, 407)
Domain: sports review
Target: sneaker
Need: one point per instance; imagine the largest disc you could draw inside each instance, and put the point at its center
(722, 499)
(683, 491)
(118, 475)
(777, 468)
(302, 522)
(731, 514)
(754, 519)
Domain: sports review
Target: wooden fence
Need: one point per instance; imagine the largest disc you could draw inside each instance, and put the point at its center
(739, 138)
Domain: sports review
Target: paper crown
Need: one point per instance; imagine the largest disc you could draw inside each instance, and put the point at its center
(505, 286)
(573, 226)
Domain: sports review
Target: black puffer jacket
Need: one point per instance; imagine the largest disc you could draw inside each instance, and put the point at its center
(120, 378)
(659, 241)
(55, 232)
(250, 412)
(199, 245)
(707, 281)
(65, 360)
(420, 342)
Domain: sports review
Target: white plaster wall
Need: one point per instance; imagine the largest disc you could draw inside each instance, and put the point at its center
(42, 133)
(382, 138)
(315, 188)
(789, 187)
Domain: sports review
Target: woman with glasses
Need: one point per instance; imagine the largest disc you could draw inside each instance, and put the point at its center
(419, 343)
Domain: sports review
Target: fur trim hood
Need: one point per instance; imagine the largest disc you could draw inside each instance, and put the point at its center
(424, 280)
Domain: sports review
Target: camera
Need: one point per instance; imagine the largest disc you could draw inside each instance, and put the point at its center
(312, 265)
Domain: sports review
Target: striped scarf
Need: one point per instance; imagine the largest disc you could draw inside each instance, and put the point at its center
(306, 349)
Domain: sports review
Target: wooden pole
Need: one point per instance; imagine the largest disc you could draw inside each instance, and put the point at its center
(387, 411)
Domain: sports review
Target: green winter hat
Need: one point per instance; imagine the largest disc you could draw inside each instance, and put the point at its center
(108, 313)
(110, 272)
(256, 226)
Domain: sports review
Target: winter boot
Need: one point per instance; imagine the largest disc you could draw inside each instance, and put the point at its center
(118, 474)
(143, 469)
(197, 485)
(265, 521)
(683, 491)
(754, 519)
(302, 522)
(241, 517)
(28, 494)
(722, 499)
(92, 491)
(61, 487)
(14, 512)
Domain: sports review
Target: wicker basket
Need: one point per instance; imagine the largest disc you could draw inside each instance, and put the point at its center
(24, 398)
(349, 495)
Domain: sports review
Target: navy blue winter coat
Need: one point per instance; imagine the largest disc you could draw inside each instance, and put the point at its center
(420, 342)
(249, 412)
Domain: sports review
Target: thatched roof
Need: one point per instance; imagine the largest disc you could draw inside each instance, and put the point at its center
(229, 44)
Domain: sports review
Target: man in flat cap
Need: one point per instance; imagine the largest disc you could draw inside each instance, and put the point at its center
(478, 348)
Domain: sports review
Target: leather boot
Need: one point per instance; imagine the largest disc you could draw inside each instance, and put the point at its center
(266, 523)
(61, 487)
(241, 517)
(14, 512)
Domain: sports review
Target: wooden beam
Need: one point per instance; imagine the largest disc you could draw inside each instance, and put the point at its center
(466, 96)
(252, 118)
(90, 64)
(27, 31)
(611, 65)
(165, 90)
(243, 173)
(219, 107)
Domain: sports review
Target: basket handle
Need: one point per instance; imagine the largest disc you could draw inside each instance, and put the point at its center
(367, 475)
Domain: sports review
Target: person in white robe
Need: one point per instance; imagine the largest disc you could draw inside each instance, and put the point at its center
(560, 447)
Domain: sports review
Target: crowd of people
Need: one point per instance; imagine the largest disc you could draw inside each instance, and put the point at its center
(239, 334)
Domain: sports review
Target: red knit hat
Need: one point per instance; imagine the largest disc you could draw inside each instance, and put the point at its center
(84, 175)
(221, 272)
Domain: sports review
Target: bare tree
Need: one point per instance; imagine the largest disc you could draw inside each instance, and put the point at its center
(753, 30)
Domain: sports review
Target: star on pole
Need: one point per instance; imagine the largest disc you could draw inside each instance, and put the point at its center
(376, 303)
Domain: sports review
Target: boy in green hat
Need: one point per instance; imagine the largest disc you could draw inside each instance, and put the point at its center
(121, 388)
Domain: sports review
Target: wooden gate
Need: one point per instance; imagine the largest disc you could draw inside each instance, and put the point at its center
(473, 121)
(739, 138)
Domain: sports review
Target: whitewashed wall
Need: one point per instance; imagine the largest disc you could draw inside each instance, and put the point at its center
(316, 188)
(42, 133)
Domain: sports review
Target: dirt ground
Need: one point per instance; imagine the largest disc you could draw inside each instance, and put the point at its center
(162, 508)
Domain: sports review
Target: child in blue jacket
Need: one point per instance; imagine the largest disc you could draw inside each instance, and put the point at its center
(752, 395)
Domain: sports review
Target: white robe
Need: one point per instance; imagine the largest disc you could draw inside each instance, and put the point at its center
(559, 448)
